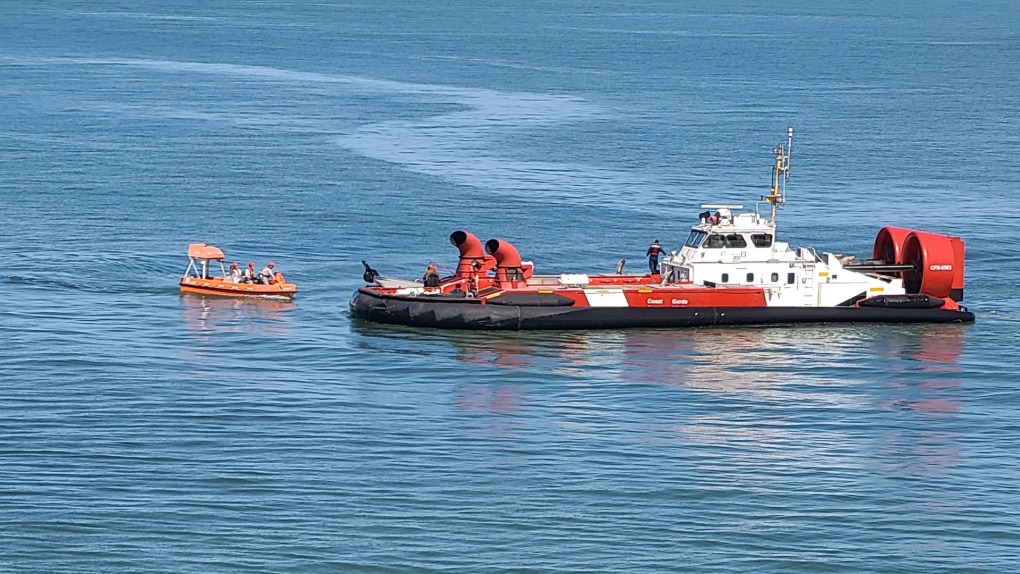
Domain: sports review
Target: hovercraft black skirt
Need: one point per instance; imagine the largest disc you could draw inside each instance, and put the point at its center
(453, 313)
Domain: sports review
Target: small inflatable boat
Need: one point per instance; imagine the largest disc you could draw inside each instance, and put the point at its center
(199, 278)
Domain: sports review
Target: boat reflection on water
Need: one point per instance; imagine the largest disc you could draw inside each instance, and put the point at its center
(523, 354)
(938, 353)
(479, 398)
(748, 360)
(923, 400)
(926, 373)
(519, 353)
(508, 353)
(761, 377)
(210, 314)
(902, 380)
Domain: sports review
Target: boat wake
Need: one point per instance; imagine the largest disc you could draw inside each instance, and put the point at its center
(465, 146)
(91, 285)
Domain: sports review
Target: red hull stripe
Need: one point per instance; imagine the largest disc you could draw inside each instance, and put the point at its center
(726, 297)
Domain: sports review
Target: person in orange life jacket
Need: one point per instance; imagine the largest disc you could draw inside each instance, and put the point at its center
(234, 275)
(248, 276)
(653, 257)
(266, 275)
(431, 277)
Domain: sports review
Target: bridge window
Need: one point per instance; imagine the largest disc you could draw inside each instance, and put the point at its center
(695, 238)
(725, 278)
(775, 278)
(791, 278)
(734, 240)
(761, 239)
(750, 277)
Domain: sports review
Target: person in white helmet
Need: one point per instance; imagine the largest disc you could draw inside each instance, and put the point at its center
(234, 275)
(267, 274)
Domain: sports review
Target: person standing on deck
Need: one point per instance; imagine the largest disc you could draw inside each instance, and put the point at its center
(653, 257)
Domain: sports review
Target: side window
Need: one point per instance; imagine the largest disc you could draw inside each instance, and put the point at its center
(715, 242)
(775, 278)
(762, 239)
(750, 277)
(791, 278)
(725, 278)
(735, 240)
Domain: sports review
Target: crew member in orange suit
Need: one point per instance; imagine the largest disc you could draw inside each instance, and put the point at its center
(653, 257)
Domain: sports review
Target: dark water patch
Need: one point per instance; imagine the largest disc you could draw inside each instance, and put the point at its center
(49, 283)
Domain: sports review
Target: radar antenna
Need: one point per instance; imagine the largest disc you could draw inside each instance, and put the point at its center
(780, 173)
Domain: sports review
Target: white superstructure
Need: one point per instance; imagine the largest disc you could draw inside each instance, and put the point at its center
(728, 247)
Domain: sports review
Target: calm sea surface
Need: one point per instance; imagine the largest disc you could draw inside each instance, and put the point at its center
(143, 431)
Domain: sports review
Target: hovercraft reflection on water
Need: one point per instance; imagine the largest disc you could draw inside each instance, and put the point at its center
(730, 271)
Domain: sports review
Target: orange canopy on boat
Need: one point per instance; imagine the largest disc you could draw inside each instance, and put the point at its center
(203, 251)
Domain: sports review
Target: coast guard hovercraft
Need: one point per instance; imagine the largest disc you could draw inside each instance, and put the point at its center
(730, 271)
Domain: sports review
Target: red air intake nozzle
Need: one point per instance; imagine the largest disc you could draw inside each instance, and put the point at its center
(472, 256)
(506, 255)
(508, 262)
(467, 244)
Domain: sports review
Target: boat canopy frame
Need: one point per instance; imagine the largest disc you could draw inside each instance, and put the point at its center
(200, 255)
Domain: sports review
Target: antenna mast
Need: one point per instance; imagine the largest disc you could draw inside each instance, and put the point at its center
(780, 173)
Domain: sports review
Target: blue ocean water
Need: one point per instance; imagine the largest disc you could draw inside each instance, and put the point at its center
(142, 430)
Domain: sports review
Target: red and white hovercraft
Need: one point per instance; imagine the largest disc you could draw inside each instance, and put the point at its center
(730, 271)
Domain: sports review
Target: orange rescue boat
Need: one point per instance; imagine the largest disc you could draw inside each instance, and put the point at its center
(199, 278)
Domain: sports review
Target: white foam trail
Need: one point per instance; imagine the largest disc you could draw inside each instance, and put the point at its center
(458, 145)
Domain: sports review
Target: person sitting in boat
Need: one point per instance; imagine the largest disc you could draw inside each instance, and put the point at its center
(249, 273)
(653, 257)
(431, 277)
(267, 275)
(234, 275)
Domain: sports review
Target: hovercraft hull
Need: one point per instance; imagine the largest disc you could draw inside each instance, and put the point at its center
(472, 314)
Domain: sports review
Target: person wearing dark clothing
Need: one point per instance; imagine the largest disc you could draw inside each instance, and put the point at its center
(431, 277)
(653, 257)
